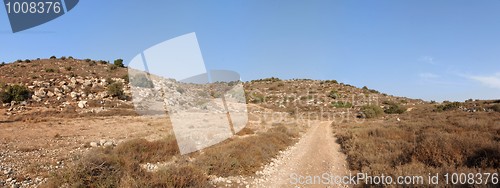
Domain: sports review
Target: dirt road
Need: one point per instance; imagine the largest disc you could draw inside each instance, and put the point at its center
(306, 164)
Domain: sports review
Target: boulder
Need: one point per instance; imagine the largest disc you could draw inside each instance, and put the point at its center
(82, 104)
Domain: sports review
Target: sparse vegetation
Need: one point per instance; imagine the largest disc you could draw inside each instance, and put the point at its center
(245, 156)
(427, 142)
(53, 57)
(63, 57)
(120, 167)
(14, 93)
(50, 70)
(87, 60)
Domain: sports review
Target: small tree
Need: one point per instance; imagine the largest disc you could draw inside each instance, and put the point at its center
(119, 63)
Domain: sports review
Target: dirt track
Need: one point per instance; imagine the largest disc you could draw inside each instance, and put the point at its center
(315, 154)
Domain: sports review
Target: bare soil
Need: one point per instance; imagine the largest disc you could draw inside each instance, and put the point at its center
(315, 154)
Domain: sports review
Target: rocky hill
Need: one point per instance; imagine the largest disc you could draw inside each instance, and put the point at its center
(67, 86)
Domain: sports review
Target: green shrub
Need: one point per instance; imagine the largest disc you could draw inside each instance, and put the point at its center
(70, 57)
(394, 108)
(341, 104)
(447, 106)
(371, 111)
(63, 57)
(116, 90)
(87, 60)
(103, 62)
(15, 93)
(333, 94)
(119, 63)
(53, 57)
(141, 80)
(331, 81)
(3, 64)
(27, 61)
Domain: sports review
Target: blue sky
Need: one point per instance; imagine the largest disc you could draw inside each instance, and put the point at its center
(434, 50)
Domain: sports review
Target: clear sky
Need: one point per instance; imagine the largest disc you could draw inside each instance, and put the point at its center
(434, 50)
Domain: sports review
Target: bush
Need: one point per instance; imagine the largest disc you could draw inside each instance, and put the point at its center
(141, 80)
(496, 107)
(53, 57)
(3, 64)
(27, 61)
(371, 111)
(126, 78)
(50, 70)
(68, 68)
(119, 63)
(447, 106)
(341, 104)
(70, 57)
(63, 57)
(394, 108)
(333, 94)
(87, 60)
(92, 63)
(15, 93)
(113, 67)
(116, 90)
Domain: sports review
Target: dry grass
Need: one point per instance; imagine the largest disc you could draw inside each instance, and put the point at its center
(247, 155)
(424, 142)
(120, 166)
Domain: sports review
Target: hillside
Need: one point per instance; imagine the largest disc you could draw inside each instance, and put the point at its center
(69, 122)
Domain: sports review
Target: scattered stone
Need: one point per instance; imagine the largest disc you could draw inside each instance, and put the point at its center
(82, 104)
(93, 144)
(108, 144)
